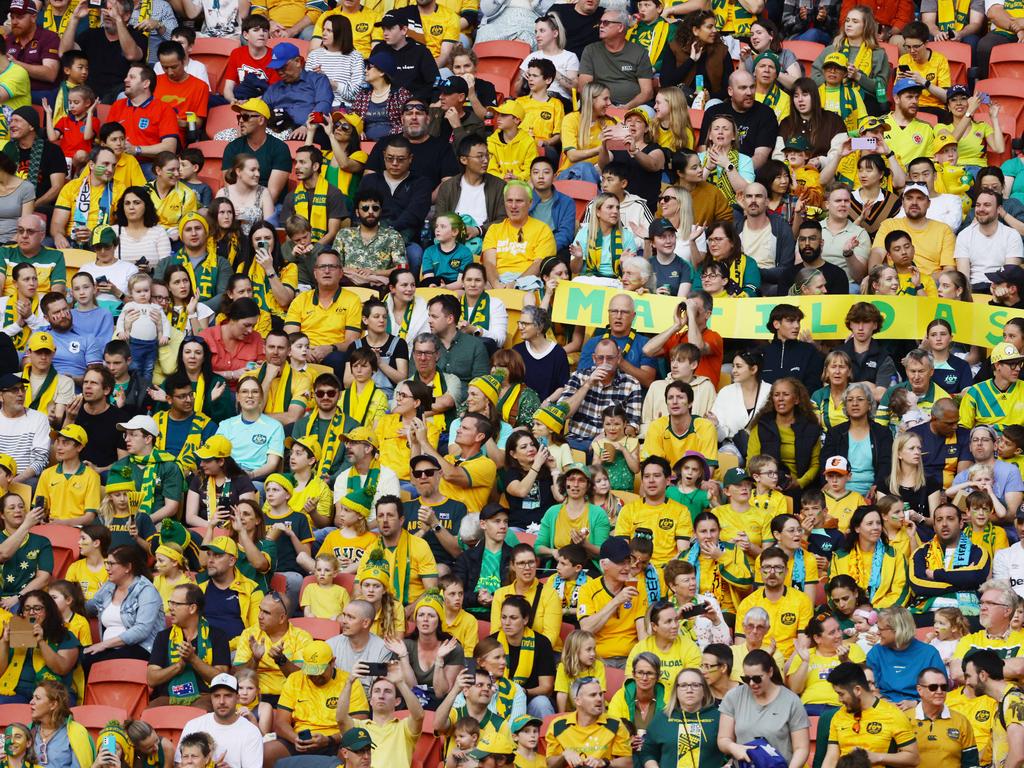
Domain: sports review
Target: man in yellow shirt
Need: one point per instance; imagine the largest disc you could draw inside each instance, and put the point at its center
(393, 739)
(907, 136)
(997, 605)
(413, 568)
(1000, 400)
(667, 521)
(984, 673)
(673, 435)
(438, 27)
(588, 734)
(789, 609)
(933, 241)
(273, 647)
(515, 247)
(467, 475)
(945, 736)
(611, 607)
(868, 722)
(70, 489)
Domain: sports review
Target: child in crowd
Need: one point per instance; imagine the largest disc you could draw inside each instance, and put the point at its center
(253, 58)
(190, 162)
(633, 209)
(806, 179)
(186, 38)
(950, 178)
(601, 493)
(766, 498)
(981, 514)
(618, 452)
(902, 532)
(840, 504)
(950, 625)
(298, 356)
(465, 737)
(821, 541)
(89, 571)
(683, 362)
(71, 604)
(196, 751)
(351, 537)
(74, 66)
(579, 659)
(543, 112)
(172, 198)
(570, 575)
(362, 401)
(298, 248)
(549, 424)
(259, 713)
(740, 523)
(716, 281)
(979, 478)
(171, 571)
(691, 472)
(462, 625)
(127, 171)
(144, 325)
(865, 627)
(526, 735)
(838, 93)
(444, 261)
(1010, 445)
(121, 518)
(75, 130)
(324, 599)
(511, 149)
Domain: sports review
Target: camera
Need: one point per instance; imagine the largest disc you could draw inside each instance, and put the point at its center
(318, 118)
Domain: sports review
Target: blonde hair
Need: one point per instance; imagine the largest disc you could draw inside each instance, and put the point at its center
(387, 615)
(107, 511)
(894, 476)
(331, 560)
(593, 225)
(957, 621)
(685, 200)
(590, 92)
(138, 277)
(870, 29)
(678, 119)
(574, 643)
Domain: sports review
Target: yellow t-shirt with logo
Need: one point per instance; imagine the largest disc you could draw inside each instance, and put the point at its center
(683, 654)
(732, 522)
(935, 72)
(543, 118)
(661, 441)
(344, 547)
(618, 636)
(325, 326)
(770, 505)
(518, 249)
(67, 200)
(842, 509)
(570, 136)
(933, 243)
(605, 739)
(949, 740)
(1009, 711)
(817, 689)
(420, 564)
(981, 712)
(669, 522)
(878, 728)
(911, 142)
(789, 615)
(69, 496)
(1007, 647)
(971, 149)
(89, 580)
(364, 34)
(172, 206)
(482, 473)
(439, 27)
(314, 707)
(272, 680)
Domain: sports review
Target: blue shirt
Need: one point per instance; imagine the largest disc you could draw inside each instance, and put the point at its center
(75, 351)
(862, 466)
(311, 93)
(896, 671)
(96, 322)
(222, 610)
(253, 441)
(1005, 479)
(177, 433)
(57, 750)
(635, 356)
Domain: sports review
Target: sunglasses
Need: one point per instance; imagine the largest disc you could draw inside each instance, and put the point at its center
(933, 687)
(414, 108)
(326, 392)
(751, 679)
(419, 474)
(369, 208)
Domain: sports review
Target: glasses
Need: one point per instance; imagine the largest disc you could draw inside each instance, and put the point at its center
(690, 686)
(933, 687)
(26, 231)
(402, 396)
(620, 311)
(530, 322)
(15, 388)
(773, 568)
(644, 673)
(32, 609)
(176, 604)
(666, 198)
(910, 47)
(396, 159)
(246, 117)
(609, 22)
(326, 393)
(708, 667)
(1014, 364)
(414, 108)
(525, 564)
(769, 472)
(369, 208)
(423, 353)
(328, 266)
(993, 604)
(751, 679)
(420, 474)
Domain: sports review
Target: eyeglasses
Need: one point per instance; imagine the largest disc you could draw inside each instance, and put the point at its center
(26, 231)
(423, 353)
(414, 108)
(328, 266)
(751, 679)
(609, 22)
(394, 160)
(530, 322)
(369, 208)
(326, 393)
(690, 686)
(644, 673)
(773, 568)
(176, 604)
(525, 564)
(933, 687)
(32, 609)
(420, 474)
(708, 667)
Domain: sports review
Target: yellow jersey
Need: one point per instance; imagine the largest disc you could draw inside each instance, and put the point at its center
(517, 249)
(89, 580)
(682, 654)
(364, 33)
(877, 729)
(482, 473)
(543, 118)
(271, 679)
(511, 157)
(981, 711)
(314, 707)
(949, 739)
(69, 495)
(935, 71)
(669, 523)
(661, 440)
(325, 325)
(618, 636)
(817, 688)
(1009, 711)
(789, 615)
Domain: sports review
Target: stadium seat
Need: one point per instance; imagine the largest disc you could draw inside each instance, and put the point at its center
(1007, 61)
(696, 119)
(726, 461)
(527, 538)
(813, 719)
(483, 629)
(320, 629)
(893, 54)
(427, 752)
(302, 45)
(567, 629)
(614, 680)
(928, 117)
(921, 633)
(95, 716)
(119, 683)
(582, 192)
(1008, 93)
(278, 583)
(212, 150)
(170, 721)
(498, 62)
(15, 713)
(214, 53)
(805, 51)
(367, 146)
(625, 496)
(959, 56)
(64, 540)
(220, 118)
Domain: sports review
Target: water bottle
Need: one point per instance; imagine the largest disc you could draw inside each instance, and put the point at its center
(698, 99)
(880, 94)
(192, 128)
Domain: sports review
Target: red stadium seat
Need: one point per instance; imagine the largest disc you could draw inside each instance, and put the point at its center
(567, 629)
(320, 629)
(64, 540)
(220, 118)
(278, 583)
(696, 120)
(498, 62)
(1008, 93)
(483, 629)
(214, 53)
(212, 150)
(15, 713)
(893, 53)
(346, 580)
(119, 683)
(959, 56)
(427, 752)
(805, 51)
(102, 112)
(170, 721)
(582, 192)
(95, 716)
(614, 680)
(1007, 61)
(527, 538)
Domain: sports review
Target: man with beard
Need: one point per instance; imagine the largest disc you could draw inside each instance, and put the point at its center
(320, 203)
(788, 609)
(756, 125)
(299, 92)
(111, 49)
(26, 137)
(986, 245)
(945, 445)
(1007, 287)
(810, 244)
(274, 158)
(432, 156)
(772, 249)
(868, 722)
(948, 570)
(86, 202)
(233, 600)
(150, 125)
(933, 241)
(984, 673)
(907, 136)
(370, 252)
(51, 269)
(210, 281)
(92, 411)
(159, 485)
(239, 741)
(182, 430)
(73, 350)
(405, 553)
(415, 69)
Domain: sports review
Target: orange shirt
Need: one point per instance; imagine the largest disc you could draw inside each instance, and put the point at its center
(191, 95)
(147, 124)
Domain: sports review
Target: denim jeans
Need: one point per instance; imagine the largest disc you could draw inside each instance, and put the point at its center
(583, 171)
(143, 357)
(814, 35)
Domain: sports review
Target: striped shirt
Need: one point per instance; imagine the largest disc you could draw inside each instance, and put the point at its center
(624, 390)
(345, 71)
(983, 403)
(26, 439)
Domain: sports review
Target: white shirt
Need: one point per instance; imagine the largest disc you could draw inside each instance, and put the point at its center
(240, 743)
(987, 254)
(143, 328)
(1009, 564)
(565, 62)
(944, 208)
(472, 201)
(387, 483)
(26, 439)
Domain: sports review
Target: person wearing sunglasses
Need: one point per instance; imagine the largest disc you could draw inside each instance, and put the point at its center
(274, 158)
(942, 732)
(433, 515)
(789, 609)
(373, 251)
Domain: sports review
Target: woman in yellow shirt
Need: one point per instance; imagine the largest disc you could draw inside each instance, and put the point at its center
(675, 650)
(547, 605)
(807, 670)
(581, 134)
(412, 398)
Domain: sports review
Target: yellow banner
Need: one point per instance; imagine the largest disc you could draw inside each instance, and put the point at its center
(904, 317)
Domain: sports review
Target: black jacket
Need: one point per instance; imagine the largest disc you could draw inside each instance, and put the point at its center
(837, 443)
(875, 366)
(467, 570)
(798, 359)
(406, 209)
(415, 69)
(806, 433)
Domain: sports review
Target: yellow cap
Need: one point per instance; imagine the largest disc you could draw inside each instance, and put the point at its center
(40, 341)
(259, 106)
(217, 447)
(9, 464)
(362, 435)
(222, 545)
(75, 432)
(349, 117)
(311, 444)
(941, 138)
(317, 658)
(837, 58)
(511, 107)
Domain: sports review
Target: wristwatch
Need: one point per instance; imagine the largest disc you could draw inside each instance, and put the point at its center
(730, 167)
(436, 528)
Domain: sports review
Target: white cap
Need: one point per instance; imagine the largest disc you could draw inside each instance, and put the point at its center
(837, 464)
(224, 680)
(145, 423)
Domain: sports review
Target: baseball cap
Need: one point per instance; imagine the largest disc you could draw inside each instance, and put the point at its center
(259, 106)
(492, 510)
(224, 680)
(361, 435)
(311, 444)
(40, 341)
(577, 466)
(103, 236)
(143, 422)
(872, 123)
(356, 740)
(217, 447)
(524, 720)
(616, 549)
(8, 463)
(425, 457)
(10, 380)
(915, 187)
(660, 226)
(644, 112)
(958, 90)
(942, 138)
(512, 108)
(317, 658)
(797, 143)
(498, 744)
(905, 84)
(382, 60)
(1004, 352)
(24, 6)
(736, 476)
(837, 465)
(1010, 273)
(454, 84)
(283, 53)
(222, 545)
(836, 59)
(75, 432)
(392, 19)
(340, 115)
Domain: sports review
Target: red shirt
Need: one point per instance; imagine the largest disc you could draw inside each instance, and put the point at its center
(248, 350)
(192, 95)
(241, 63)
(43, 45)
(71, 138)
(710, 364)
(147, 124)
(892, 14)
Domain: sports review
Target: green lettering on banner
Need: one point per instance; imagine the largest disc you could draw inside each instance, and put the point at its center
(818, 325)
(996, 321)
(582, 300)
(644, 313)
(945, 312)
(765, 311)
(889, 315)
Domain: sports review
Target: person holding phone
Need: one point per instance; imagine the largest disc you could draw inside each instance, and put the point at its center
(217, 486)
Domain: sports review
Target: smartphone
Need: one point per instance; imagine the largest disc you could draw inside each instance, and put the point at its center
(96, 4)
(616, 144)
(864, 143)
(692, 611)
(102, 279)
(471, 666)
(305, 734)
(376, 668)
(109, 744)
(985, 98)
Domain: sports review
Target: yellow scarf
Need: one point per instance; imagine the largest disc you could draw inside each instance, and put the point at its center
(863, 59)
(356, 404)
(332, 442)
(953, 14)
(280, 391)
(524, 668)
(186, 458)
(316, 207)
(199, 401)
(11, 316)
(11, 676)
(40, 401)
